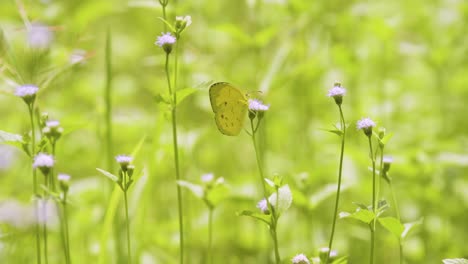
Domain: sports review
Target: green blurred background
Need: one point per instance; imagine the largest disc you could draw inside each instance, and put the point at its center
(404, 64)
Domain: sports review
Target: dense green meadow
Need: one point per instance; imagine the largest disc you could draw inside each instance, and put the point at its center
(118, 86)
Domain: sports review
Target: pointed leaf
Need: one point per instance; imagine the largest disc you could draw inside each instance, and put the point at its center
(285, 199)
(184, 93)
(270, 182)
(109, 175)
(262, 217)
(167, 24)
(410, 227)
(342, 260)
(393, 225)
(455, 261)
(9, 137)
(196, 189)
(362, 215)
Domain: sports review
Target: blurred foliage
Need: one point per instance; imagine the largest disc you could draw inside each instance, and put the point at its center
(403, 63)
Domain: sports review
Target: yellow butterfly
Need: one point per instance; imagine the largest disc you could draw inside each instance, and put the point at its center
(230, 106)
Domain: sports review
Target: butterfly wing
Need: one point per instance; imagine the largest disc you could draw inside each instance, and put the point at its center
(230, 107)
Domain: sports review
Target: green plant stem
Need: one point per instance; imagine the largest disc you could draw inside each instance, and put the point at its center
(373, 203)
(397, 211)
(210, 236)
(338, 190)
(34, 174)
(274, 219)
(44, 225)
(129, 252)
(176, 152)
(259, 164)
(66, 230)
(52, 178)
(108, 101)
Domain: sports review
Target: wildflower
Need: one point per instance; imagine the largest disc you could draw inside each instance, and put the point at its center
(366, 124)
(124, 162)
(52, 130)
(27, 92)
(44, 162)
(64, 180)
(263, 206)
(300, 259)
(39, 36)
(182, 22)
(337, 92)
(207, 178)
(166, 41)
(387, 161)
(257, 105)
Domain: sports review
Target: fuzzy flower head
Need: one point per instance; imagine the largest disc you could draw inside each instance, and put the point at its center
(300, 259)
(124, 161)
(182, 22)
(263, 206)
(166, 41)
(387, 162)
(207, 178)
(337, 92)
(366, 124)
(44, 162)
(27, 92)
(64, 181)
(39, 36)
(52, 130)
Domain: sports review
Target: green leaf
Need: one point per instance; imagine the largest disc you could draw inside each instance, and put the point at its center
(285, 199)
(6, 137)
(342, 260)
(109, 175)
(167, 24)
(270, 182)
(393, 225)
(184, 93)
(455, 261)
(362, 206)
(360, 214)
(387, 137)
(196, 189)
(262, 217)
(409, 227)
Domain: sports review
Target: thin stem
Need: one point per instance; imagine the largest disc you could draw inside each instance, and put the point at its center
(108, 101)
(210, 236)
(338, 190)
(67, 236)
(33, 153)
(275, 242)
(175, 144)
(128, 226)
(373, 202)
(44, 210)
(397, 211)
(62, 232)
(164, 16)
(259, 164)
(52, 178)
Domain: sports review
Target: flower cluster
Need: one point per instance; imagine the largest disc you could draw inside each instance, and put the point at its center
(366, 124)
(27, 92)
(166, 41)
(300, 259)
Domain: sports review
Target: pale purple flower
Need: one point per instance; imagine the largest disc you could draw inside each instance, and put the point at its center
(63, 177)
(300, 259)
(39, 36)
(387, 159)
(263, 206)
(207, 178)
(52, 123)
(124, 159)
(165, 39)
(257, 105)
(365, 123)
(43, 160)
(336, 91)
(27, 92)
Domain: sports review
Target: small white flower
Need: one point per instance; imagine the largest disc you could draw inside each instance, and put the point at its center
(185, 21)
(27, 90)
(43, 160)
(63, 177)
(39, 36)
(52, 123)
(123, 159)
(337, 91)
(387, 159)
(165, 39)
(365, 123)
(263, 206)
(207, 178)
(256, 105)
(300, 259)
